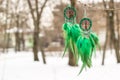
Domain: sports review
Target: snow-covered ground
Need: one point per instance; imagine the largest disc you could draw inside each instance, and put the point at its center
(21, 66)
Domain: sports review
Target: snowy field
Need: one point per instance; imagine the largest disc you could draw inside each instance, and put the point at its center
(21, 66)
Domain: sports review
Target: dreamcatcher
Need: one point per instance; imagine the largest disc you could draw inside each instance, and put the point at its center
(79, 37)
(87, 42)
(71, 30)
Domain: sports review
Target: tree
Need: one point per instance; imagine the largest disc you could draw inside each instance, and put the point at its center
(5, 28)
(18, 19)
(36, 21)
(110, 13)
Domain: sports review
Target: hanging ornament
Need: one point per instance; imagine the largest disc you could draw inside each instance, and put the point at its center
(87, 42)
(70, 14)
(85, 24)
(79, 38)
(71, 31)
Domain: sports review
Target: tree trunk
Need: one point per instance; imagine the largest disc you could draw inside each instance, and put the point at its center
(113, 39)
(17, 42)
(118, 31)
(111, 26)
(43, 56)
(8, 41)
(72, 60)
(105, 46)
(107, 38)
(36, 21)
(36, 42)
(5, 28)
(23, 41)
(42, 52)
(17, 35)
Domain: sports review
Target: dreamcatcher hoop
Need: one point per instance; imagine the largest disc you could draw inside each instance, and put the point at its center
(69, 13)
(85, 24)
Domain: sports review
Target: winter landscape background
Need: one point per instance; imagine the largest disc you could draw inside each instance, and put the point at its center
(32, 43)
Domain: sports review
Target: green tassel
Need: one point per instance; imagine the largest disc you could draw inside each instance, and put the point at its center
(75, 32)
(80, 45)
(95, 38)
(86, 46)
(71, 34)
(85, 49)
(66, 28)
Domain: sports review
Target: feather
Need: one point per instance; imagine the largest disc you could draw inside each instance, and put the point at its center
(95, 38)
(66, 28)
(94, 41)
(80, 45)
(84, 47)
(75, 32)
(71, 32)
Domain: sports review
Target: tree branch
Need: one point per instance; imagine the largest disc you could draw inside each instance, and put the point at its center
(31, 10)
(42, 9)
(105, 5)
(37, 12)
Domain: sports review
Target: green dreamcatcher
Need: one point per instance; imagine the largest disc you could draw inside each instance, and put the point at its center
(71, 30)
(87, 42)
(70, 14)
(79, 37)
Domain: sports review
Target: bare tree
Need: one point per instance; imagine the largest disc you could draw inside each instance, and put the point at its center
(16, 18)
(5, 28)
(36, 21)
(20, 17)
(111, 27)
(118, 32)
(106, 42)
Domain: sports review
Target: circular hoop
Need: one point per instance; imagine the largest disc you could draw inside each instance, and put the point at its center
(69, 13)
(85, 24)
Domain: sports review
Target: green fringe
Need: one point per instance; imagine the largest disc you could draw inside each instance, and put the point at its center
(71, 34)
(81, 46)
(86, 46)
(75, 32)
(66, 28)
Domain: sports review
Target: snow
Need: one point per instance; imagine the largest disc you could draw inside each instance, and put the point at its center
(20, 66)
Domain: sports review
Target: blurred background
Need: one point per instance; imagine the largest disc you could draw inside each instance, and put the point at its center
(32, 43)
